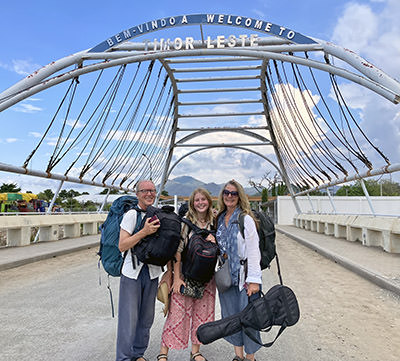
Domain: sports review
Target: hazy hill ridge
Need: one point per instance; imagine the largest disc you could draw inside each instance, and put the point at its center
(184, 185)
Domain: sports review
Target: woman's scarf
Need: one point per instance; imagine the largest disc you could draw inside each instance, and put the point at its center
(227, 241)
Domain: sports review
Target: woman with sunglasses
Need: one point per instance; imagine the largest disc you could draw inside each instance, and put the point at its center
(244, 256)
(187, 313)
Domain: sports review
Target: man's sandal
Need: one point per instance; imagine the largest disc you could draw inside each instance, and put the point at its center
(237, 358)
(162, 356)
(194, 355)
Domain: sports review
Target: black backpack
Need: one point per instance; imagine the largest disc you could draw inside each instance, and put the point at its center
(199, 257)
(160, 247)
(266, 234)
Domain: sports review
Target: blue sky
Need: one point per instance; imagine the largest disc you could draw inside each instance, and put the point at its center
(35, 33)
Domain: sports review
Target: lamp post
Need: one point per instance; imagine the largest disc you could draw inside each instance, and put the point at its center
(151, 171)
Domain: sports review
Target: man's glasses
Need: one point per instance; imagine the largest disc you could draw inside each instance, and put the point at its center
(151, 191)
(225, 192)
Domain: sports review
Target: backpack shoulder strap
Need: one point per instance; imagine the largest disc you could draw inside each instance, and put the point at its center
(241, 224)
(268, 344)
(138, 220)
(137, 228)
(191, 225)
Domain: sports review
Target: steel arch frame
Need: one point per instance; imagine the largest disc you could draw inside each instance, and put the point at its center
(125, 52)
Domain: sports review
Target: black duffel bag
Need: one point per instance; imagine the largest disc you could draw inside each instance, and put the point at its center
(278, 307)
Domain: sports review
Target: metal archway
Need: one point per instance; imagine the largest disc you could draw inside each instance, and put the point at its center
(153, 119)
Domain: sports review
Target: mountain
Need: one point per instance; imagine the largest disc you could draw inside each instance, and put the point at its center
(184, 186)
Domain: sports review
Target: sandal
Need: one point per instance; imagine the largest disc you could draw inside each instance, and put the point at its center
(162, 356)
(194, 355)
(237, 358)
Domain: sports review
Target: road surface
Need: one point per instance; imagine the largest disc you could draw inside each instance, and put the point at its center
(56, 310)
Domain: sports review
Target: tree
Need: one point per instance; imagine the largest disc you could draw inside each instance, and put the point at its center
(388, 187)
(164, 193)
(264, 195)
(112, 191)
(89, 206)
(9, 188)
(64, 194)
(47, 195)
(268, 179)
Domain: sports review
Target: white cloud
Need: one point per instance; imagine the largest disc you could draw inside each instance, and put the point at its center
(356, 27)
(306, 134)
(52, 141)
(5, 66)
(11, 140)
(71, 123)
(35, 134)
(24, 67)
(26, 108)
(354, 94)
(374, 36)
(223, 164)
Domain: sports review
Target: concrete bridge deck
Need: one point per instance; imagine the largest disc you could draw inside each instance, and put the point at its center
(55, 310)
(371, 263)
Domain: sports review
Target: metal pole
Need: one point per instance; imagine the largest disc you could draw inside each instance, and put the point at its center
(104, 201)
(331, 200)
(364, 188)
(312, 206)
(173, 133)
(176, 203)
(50, 207)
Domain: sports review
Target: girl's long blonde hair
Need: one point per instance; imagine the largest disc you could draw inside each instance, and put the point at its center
(192, 213)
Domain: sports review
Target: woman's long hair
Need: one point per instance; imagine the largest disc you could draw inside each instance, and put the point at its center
(192, 213)
(243, 202)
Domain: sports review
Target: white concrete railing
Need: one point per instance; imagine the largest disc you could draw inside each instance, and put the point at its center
(19, 228)
(387, 206)
(381, 232)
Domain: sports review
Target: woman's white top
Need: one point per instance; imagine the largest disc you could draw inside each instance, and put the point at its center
(248, 248)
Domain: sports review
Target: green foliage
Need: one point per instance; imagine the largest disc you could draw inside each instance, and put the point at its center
(9, 188)
(264, 195)
(47, 195)
(164, 193)
(64, 194)
(390, 188)
(71, 205)
(279, 189)
(112, 191)
(89, 206)
(374, 188)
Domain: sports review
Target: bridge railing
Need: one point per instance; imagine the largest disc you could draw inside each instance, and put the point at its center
(375, 231)
(20, 230)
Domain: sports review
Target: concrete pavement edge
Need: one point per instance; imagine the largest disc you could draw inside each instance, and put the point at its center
(40, 257)
(344, 262)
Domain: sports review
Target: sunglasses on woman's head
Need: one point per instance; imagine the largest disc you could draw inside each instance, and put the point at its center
(227, 193)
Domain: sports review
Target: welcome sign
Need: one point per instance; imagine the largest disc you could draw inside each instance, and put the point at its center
(197, 19)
